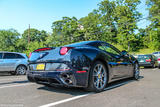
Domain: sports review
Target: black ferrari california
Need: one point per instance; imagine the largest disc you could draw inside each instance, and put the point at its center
(88, 64)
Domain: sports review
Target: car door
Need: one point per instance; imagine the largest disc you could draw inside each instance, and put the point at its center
(128, 66)
(9, 60)
(118, 62)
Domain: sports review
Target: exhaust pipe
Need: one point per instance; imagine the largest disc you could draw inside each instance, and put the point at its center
(69, 81)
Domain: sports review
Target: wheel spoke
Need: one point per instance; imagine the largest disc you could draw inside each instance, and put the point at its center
(136, 75)
(99, 69)
(21, 70)
(97, 83)
(99, 75)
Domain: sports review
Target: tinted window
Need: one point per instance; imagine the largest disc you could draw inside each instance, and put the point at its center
(108, 49)
(144, 56)
(9, 56)
(0, 55)
(18, 56)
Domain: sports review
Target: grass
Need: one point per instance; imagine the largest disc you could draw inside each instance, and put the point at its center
(144, 51)
(141, 51)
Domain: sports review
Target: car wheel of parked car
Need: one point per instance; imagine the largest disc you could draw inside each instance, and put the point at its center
(153, 65)
(21, 70)
(97, 77)
(136, 71)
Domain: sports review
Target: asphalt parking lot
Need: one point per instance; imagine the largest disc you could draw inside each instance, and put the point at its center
(16, 91)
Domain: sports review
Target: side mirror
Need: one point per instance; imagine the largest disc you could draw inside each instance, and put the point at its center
(123, 53)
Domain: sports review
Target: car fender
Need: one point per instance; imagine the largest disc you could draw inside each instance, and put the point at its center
(22, 62)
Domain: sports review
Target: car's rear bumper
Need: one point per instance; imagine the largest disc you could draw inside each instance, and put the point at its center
(62, 78)
(145, 64)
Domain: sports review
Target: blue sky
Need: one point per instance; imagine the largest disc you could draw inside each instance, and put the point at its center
(40, 14)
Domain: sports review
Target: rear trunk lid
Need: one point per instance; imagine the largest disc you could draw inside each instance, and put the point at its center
(42, 55)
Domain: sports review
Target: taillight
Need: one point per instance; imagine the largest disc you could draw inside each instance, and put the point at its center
(64, 50)
(158, 59)
(42, 49)
(80, 71)
(148, 60)
(30, 54)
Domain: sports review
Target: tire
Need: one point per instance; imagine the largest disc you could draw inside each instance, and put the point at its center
(98, 77)
(21, 70)
(159, 66)
(136, 71)
(30, 79)
(47, 85)
(153, 65)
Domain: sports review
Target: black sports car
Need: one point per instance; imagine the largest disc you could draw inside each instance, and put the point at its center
(88, 64)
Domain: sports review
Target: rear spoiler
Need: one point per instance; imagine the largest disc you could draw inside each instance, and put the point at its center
(44, 49)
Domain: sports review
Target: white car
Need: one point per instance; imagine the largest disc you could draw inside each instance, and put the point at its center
(157, 54)
(158, 59)
(13, 62)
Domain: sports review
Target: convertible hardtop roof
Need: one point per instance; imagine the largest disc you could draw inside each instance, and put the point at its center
(12, 52)
(83, 43)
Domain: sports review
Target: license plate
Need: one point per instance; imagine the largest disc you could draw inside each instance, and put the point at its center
(141, 61)
(40, 67)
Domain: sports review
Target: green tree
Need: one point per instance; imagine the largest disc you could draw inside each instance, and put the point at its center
(8, 40)
(153, 30)
(126, 16)
(107, 20)
(31, 39)
(34, 35)
(66, 31)
(91, 26)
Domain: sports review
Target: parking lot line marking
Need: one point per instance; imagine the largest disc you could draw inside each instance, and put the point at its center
(117, 85)
(8, 86)
(80, 96)
(65, 100)
(11, 79)
(154, 69)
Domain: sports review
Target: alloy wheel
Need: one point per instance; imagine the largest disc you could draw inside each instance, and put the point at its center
(99, 76)
(21, 70)
(136, 71)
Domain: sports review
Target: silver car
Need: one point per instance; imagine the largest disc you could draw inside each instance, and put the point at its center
(13, 62)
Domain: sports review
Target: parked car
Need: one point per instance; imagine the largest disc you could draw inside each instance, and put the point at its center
(148, 60)
(88, 64)
(136, 56)
(158, 59)
(157, 54)
(13, 62)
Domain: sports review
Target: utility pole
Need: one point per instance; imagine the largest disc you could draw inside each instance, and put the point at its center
(29, 34)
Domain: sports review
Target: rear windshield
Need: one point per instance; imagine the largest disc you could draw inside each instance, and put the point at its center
(37, 55)
(144, 56)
